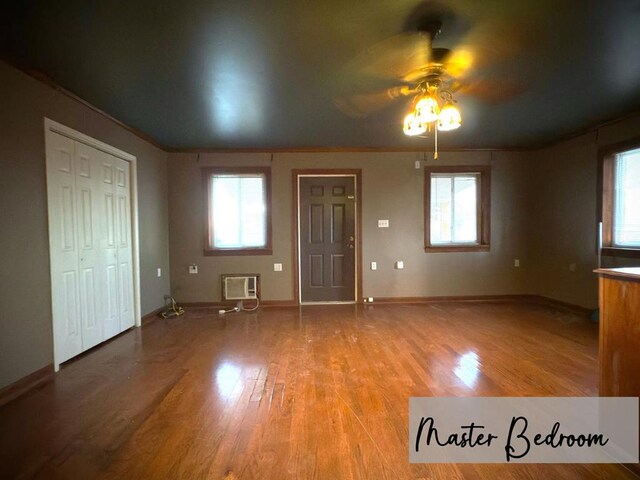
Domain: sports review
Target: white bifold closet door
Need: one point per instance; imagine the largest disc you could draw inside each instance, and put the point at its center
(90, 245)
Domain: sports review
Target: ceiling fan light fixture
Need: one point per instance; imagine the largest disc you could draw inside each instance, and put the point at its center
(413, 126)
(449, 118)
(427, 109)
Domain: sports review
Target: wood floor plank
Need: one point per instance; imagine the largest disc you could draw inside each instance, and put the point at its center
(317, 392)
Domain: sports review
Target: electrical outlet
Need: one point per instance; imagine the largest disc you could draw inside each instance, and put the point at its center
(399, 265)
(383, 223)
(418, 165)
(277, 267)
(193, 269)
(374, 265)
(370, 299)
(159, 272)
(516, 262)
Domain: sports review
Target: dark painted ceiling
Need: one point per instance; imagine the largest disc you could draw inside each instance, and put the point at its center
(250, 74)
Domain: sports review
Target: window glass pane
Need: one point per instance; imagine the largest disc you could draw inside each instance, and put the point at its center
(252, 224)
(226, 211)
(465, 210)
(626, 215)
(239, 212)
(441, 209)
(454, 209)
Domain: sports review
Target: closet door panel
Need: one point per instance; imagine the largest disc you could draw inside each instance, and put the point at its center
(91, 284)
(63, 245)
(125, 253)
(108, 244)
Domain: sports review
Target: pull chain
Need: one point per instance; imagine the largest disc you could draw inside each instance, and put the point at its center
(435, 136)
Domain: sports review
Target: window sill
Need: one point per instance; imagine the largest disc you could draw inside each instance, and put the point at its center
(621, 252)
(456, 248)
(210, 252)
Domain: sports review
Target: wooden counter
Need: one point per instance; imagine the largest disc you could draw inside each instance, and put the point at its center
(620, 335)
(619, 332)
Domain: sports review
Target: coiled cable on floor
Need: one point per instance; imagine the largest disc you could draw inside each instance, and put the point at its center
(240, 308)
(172, 310)
(253, 309)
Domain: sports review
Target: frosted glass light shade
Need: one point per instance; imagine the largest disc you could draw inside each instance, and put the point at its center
(427, 109)
(412, 125)
(449, 118)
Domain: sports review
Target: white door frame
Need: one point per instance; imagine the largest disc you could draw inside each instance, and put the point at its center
(53, 126)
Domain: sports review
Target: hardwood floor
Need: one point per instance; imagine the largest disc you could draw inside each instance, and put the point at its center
(313, 393)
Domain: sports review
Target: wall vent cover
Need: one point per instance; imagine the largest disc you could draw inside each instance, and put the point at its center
(239, 287)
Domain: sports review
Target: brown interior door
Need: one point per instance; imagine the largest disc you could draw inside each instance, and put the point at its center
(327, 239)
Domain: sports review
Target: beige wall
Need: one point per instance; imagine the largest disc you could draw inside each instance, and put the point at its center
(393, 190)
(563, 222)
(25, 306)
(543, 212)
(563, 228)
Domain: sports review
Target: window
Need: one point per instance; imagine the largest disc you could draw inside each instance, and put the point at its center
(457, 204)
(238, 213)
(620, 199)
(626, 200)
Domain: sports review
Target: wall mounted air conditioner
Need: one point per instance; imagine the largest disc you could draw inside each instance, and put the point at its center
(240, 287)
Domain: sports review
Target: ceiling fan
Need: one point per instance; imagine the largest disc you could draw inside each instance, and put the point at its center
(430, 77)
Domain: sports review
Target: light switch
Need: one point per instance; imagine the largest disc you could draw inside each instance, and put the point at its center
(277, 267)
(159, 272)
(383, 223)
(418, 164)
(193, 269)
(399, 264)
(374, 265)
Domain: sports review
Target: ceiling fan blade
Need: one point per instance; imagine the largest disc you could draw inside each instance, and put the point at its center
(394, 57)
(478, 50)
(492, 91)
(461, 61)
(484, 64)
(434, 66)
(491, 43)
(361, 105)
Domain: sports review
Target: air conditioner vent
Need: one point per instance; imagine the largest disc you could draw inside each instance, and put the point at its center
(239, 287)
